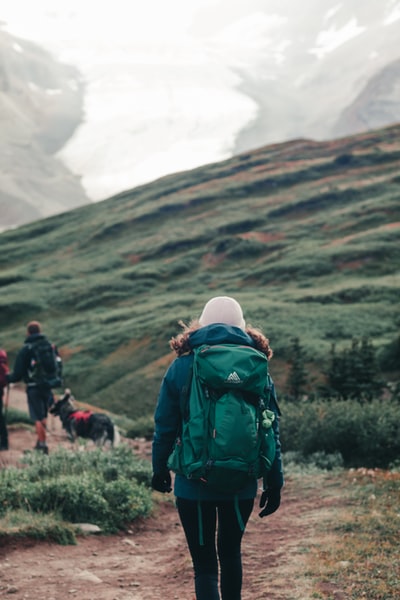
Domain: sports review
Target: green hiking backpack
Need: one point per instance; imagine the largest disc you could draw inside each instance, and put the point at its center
(227, 436)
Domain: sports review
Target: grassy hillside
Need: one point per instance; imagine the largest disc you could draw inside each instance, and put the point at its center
(305, 235)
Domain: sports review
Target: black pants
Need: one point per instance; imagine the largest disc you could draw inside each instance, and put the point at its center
(3, 426)
(226, 551)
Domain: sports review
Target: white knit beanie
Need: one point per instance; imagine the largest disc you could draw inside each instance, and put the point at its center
(223, 309)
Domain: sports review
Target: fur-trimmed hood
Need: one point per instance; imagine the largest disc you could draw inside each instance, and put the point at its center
(218, 333)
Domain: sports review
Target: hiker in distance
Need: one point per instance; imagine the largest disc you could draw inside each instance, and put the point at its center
(221, 503)
(37, 364)
(4, 389)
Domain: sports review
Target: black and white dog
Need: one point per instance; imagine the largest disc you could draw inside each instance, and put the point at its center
(84, 423)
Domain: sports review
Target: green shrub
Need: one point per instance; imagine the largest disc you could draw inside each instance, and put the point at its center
(108, 489)
(17, 416)
(20, 523)
(389, 356)
(77, 498)
(366, 435)
(82, 499)
(344, 159)
(10, 481)
(121, 462)
(126, 501)
(298, 462)
(141, 427)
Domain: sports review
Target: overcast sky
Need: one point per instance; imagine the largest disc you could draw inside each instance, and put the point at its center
(163, 79)
(160, 96)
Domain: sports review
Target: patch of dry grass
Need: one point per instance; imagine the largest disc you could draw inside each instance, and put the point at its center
(362, 559)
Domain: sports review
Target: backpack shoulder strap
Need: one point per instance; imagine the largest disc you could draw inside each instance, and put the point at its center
(271, 396)
(30, 347)
(28, 352)
(185, 396)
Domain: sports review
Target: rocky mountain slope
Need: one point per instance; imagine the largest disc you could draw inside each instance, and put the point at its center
(376, 105)
(40, 106)
(331, 57)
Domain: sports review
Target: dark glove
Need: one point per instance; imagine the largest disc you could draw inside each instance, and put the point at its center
(269, 501)
(161, 482)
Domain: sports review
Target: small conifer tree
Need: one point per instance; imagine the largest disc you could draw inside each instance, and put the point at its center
(354, 373)
(297, 378)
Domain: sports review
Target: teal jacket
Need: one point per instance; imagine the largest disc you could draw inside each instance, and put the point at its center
(168, 417)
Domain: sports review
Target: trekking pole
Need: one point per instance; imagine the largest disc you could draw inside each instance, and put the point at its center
(7, 401)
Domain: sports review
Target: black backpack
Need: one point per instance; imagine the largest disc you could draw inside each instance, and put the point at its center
(45, 366)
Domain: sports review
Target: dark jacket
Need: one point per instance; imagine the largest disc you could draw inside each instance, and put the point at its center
(4, 370)
(168, 416)
(23, 360)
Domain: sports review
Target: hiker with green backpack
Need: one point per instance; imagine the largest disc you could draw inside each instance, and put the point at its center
(216, 427)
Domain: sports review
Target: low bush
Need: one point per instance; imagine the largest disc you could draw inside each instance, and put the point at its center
(121, 461)
(141, 427)
(296, 462)
(84, 499)
(108, 489)
(14, 416)
(366, 435)
(23, 524)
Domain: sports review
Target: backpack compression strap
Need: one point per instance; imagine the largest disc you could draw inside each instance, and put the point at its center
(184, 404)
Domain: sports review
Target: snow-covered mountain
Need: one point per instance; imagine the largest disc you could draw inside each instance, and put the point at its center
(40, 107)
(173, 85)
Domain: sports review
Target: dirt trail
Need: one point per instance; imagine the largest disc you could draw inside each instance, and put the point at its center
(150, 561)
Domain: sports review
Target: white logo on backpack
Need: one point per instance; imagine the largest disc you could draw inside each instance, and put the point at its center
(233, 378)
